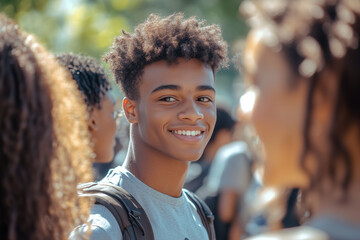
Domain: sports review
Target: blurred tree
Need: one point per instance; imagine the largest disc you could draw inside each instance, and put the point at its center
(15, 8)
(89, 26)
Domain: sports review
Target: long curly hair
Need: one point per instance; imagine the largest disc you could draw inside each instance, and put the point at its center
(44, 142)
(167, 39)
(317, 35)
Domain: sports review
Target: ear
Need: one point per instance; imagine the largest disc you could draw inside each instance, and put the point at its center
(92, 121)
(130, 110)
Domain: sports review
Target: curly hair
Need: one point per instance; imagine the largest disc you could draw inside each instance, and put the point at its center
(318, 35)
(90, 77)
(44, 142)
(167, 39)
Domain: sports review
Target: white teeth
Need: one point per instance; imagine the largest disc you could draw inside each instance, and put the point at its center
(188, 132)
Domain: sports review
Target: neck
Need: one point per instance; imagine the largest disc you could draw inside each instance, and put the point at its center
(154, 168)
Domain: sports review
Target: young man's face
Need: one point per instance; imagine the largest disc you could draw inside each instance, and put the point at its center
(176, 108)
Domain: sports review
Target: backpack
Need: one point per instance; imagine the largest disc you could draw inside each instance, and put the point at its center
(130, 216)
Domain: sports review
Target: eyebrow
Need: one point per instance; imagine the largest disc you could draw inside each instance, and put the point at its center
(205, 87)
(177, 88)
(163, 87)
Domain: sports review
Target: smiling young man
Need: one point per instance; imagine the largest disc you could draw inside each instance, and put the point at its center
(166, 69)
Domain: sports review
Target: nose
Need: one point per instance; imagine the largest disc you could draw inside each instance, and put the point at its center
(191, 112)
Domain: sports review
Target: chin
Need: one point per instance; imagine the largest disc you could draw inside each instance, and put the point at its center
(188, 158)
(106, 159)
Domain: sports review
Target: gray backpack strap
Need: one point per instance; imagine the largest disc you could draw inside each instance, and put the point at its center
(207, 217)
(129, 214)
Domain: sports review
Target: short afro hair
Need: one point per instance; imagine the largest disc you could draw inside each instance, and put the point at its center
(167, 39)
(89, 75)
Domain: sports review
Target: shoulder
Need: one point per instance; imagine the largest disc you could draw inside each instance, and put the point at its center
(103, 224)
(81, 233)
(114, 175)
(100, 233)
(297, 233)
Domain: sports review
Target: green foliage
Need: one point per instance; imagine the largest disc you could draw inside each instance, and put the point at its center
(89, 26)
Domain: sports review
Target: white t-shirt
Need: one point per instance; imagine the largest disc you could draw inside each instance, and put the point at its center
(170, 218)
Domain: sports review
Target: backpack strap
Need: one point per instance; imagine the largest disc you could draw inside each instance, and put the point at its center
(207, 217)
(130, 216)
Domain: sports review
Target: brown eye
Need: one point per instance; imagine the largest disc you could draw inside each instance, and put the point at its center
(204, 99)
(168, 99)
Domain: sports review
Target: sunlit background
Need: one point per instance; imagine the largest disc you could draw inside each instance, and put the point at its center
(89, 27)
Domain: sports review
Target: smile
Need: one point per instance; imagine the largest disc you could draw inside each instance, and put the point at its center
(192, 133)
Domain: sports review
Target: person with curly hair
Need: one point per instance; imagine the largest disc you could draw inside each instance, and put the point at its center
(44, 142)
(95, 88)
(302, 59)
(166, 69)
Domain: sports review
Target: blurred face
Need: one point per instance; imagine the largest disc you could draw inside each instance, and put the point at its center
(103, 129)
(176, 108)
(278, 113)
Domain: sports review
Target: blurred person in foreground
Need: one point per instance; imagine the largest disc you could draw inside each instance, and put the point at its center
(302, 59)
(44, 142)
(261, 208)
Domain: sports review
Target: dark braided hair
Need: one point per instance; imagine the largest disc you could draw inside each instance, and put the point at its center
(40, 149)
(167, 39)
(89, 75)
(315, 36)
